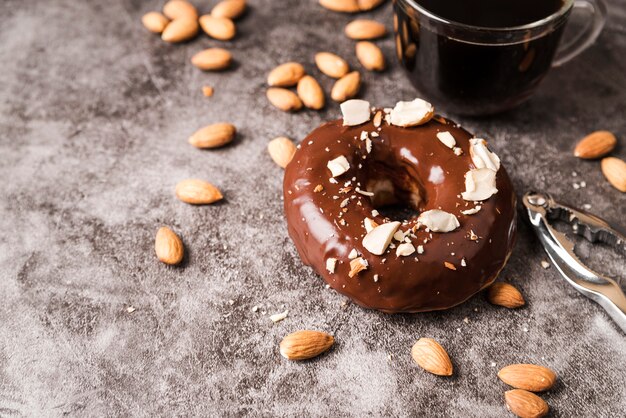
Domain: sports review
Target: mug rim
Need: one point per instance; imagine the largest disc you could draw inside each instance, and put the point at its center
(564, 9)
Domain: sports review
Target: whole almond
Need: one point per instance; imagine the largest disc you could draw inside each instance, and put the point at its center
(431, 356)
(595, 145)
(283, 99)
(180, 30)
(176, 9)
(302, 345)
(505, 294)
(168, 246)
(614, 170)
(369, 4)
(370, 56)
(345, 6)
(332, 65)
(528, 377)
(365, 29)
(525, 404)
(346, 87)
(197, 192)
(220, 28)
(155, 22)
(311, 93)
(230, 9)
(281, 150)
(286, 75)
(213, 136)
(213, 59)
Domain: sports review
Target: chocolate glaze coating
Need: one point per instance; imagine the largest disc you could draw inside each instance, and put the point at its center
(412, 159)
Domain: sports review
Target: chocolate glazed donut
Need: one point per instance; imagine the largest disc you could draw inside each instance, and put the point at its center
(410, 166)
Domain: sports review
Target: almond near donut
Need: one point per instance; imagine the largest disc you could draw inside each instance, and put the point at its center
(346, 172)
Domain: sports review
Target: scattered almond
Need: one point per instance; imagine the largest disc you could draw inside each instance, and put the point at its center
(370, 56)
(180, 30)
(197, 192)
(220, 28)
(155, 22)
(369, 4)
(213, 136)
(168, 246)
(346, 87)
(207, 91)
(230, 9)
(350, 6)
(365, 29)
(283, 99)
(286, 75)
(431, 356)
(614, 170)
(528, 377)
(177, 9)
(505, 294)
(311, 93)
(332, 65)
(281, 150)
(212, 59)
(302, 345)
(525, 404)
(595, 145)
(345, 6)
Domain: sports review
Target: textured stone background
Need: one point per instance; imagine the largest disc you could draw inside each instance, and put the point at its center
(94, 116)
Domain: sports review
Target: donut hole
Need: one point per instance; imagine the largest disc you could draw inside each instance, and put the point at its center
(398, 194)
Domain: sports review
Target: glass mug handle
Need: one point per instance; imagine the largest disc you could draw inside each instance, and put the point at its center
(596, 9)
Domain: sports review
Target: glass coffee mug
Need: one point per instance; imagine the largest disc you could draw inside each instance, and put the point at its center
(480, 57)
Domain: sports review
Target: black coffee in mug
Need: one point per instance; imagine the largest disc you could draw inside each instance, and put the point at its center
(478, 57)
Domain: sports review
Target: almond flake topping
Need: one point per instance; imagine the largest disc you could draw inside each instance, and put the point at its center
(420, 249)
(355, 112)
(353, 254)
(338, 166)
(378, 118)
(438, 220)
(480, 184)
(330, 264)
(377, 240)
(368, 145)
(481, 156)
(369, 224)
(457, 151)
(416, 112)
(446, 139)
(356, 266)
(405, 249)
(318, 188)
(449, 265)
(471, 211)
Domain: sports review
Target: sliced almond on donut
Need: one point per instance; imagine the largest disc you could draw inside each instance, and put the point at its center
(432, 357)
(338, 166)
(413, 113)
(446, 139)
(355, 112)
(378, 239)
(481, 156)
(438, 220)
(331, 263)
(480, 184)
(369, 224)
(405, 249)
(357, 265)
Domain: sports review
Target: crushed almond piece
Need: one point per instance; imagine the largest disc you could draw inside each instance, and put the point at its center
(318, 188)
(449, 265)
(378, 118)
(279, 316)
(207, 91)
(356, 266)
(330, 264)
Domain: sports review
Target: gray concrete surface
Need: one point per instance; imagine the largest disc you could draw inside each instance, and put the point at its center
(94, 116)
